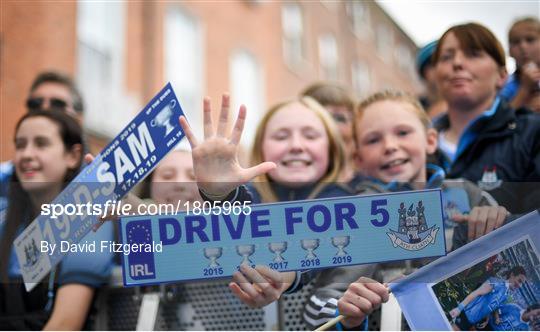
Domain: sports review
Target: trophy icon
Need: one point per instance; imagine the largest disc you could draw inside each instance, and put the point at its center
(162, 119)
(310, 245)
(341, 242)
(278, 248)
(213, 254)
(245, 250)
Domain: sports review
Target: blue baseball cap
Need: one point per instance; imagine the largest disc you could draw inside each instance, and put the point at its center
(424, 55)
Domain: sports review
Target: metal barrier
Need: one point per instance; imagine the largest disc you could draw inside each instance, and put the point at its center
(207, 306)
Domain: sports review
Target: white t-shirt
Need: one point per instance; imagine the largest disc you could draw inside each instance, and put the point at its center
(448, 148)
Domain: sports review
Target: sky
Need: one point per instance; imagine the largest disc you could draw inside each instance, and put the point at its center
(425, 21)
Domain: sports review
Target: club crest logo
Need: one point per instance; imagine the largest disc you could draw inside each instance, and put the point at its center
(31, 254)
(413, 232)
(32, 260)
(489, 179)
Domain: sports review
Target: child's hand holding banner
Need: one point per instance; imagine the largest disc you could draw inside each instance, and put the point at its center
(289, 236)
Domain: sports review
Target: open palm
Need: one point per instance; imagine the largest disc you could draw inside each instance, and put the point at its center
(215, 159)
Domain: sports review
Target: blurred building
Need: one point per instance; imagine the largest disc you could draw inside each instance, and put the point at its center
(262, 52)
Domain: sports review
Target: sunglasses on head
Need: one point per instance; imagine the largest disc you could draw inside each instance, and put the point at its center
(37, 103)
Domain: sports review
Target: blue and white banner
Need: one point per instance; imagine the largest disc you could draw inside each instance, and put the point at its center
(123, 163)
(288, 236)
(488, 284)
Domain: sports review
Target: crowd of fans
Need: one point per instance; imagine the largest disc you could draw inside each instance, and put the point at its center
(476, 130)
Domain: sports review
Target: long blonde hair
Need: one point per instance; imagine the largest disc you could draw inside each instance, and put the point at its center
(336, 151)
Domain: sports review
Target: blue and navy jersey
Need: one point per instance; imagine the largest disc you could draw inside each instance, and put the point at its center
(6, 170)
(509, 319)
(483, 305)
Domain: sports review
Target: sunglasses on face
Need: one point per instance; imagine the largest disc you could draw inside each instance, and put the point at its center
(34, 104)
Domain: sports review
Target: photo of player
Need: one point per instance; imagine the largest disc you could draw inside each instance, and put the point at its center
(499, 293)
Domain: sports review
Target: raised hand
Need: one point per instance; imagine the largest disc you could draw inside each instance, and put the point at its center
(215, 160)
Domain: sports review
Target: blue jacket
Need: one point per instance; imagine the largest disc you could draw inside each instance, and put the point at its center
(30, 310)
(500, 151)
(285, 194)
(249, 193)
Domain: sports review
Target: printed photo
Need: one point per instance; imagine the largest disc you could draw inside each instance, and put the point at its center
(500, 293)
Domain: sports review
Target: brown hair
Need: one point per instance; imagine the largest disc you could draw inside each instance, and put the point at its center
(525, 20)
(330, 94)
(19, 208)
(65, 80)
(336, 151)
(474, 37)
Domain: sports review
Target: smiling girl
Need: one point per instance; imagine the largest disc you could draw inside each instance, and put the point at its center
(297, 154)
(48, 150)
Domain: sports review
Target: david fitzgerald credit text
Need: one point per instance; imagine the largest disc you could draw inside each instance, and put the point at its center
(100, 246)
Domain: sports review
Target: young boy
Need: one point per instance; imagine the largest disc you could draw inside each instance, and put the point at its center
(394, 138)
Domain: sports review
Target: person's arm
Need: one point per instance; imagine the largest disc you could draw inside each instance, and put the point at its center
(215, 158)
(529, 77)
(497, 317)
(240, 194)
(482, 290)
(521, 98)
(71, 307)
